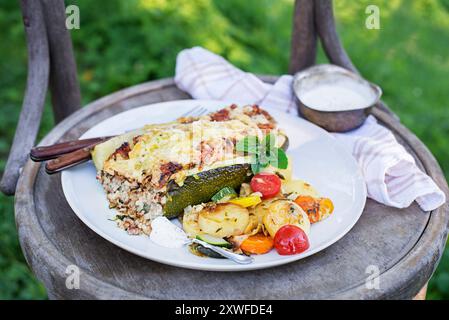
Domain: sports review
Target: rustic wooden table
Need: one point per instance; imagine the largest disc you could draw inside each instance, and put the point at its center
(405, 245)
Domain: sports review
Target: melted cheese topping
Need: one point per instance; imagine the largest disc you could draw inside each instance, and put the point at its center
(194, 147)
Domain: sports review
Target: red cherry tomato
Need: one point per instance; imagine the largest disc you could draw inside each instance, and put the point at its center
(290, 240)
(267, 184)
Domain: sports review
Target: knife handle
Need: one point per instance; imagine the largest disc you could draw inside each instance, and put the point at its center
(68, 160)
(50, 152)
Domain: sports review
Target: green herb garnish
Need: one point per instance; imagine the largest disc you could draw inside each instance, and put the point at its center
(263, 153)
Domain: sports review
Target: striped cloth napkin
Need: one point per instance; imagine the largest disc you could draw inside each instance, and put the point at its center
(390, 172)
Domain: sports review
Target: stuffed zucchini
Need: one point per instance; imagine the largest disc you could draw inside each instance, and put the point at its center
(162, 169)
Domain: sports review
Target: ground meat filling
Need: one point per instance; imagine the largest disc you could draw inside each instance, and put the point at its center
(137, 204)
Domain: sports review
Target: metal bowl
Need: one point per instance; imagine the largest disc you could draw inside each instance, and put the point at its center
(327, 74)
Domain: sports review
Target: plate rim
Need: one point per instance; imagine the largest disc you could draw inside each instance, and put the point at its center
(205, 266)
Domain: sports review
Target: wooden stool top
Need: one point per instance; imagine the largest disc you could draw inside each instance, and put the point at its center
(404, 244)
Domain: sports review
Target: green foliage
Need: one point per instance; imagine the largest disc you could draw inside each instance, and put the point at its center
(16, 280)
(122, 43)
(132, 41)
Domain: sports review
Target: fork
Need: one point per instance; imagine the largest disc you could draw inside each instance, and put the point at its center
(71, 153)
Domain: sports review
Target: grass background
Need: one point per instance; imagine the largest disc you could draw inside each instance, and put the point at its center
(122, 43)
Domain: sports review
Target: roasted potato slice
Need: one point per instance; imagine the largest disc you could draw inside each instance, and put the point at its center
(282, 212)
(262, 209)
(245, 190)
(299, 187)
(254, 224)
(223, 220)
(190, 223)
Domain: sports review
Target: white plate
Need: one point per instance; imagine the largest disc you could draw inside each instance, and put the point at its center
(318, 159)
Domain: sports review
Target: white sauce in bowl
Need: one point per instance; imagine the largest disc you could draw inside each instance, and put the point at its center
(166, 234)
(335, 97)
(329, 88)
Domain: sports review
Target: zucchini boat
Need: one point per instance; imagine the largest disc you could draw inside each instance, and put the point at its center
(203, 186)
(162, 169)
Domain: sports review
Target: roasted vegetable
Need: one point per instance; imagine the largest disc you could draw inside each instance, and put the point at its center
(245, 190)
(223, 220)
(254, 225)
(215, 241)
(291, 239)
(201, 187)
(317, 209)
(267, 184)
(257, 244)
(298, 187)
(218, 220)
(246, 202)
(190, 222)
(262, 209)
(201, 251)
(224, 195)
(281, 212)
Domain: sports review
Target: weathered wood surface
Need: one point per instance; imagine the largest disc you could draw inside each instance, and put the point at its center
(64, 86)
(35, 92)
(405, 244)
(304, 39)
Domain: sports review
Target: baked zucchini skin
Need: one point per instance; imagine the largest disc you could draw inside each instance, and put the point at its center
(201, 251)
(201, 187)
